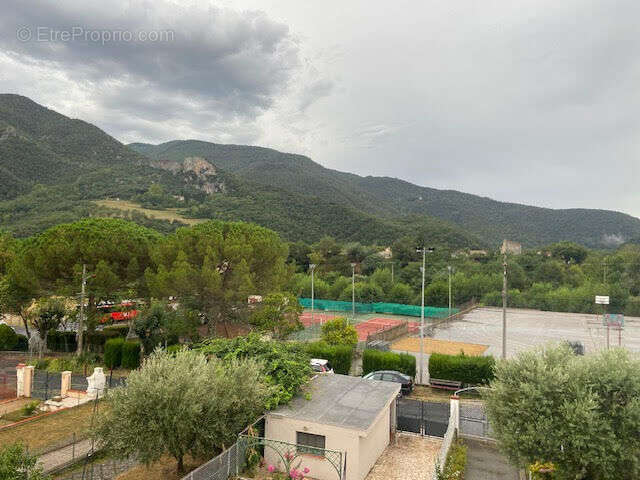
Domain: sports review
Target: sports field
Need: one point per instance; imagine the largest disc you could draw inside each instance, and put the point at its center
(364, 324)
(528, 328)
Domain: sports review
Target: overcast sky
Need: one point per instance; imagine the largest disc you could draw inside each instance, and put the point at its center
(529, 101)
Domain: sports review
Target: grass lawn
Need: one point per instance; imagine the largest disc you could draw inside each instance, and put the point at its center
(164, 469)
(51, 429)
(171, 214)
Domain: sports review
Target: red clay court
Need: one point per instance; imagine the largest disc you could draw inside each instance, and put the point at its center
(364, 328)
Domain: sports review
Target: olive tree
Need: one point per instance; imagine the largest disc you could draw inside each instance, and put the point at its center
(582, 413)
(181, 405)
(17, 464)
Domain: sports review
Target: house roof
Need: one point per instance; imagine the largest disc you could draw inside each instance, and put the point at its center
(342, 401)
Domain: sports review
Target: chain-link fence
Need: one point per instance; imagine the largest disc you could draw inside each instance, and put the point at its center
(474, 422)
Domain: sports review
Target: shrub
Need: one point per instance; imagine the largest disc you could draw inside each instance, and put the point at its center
(339, 332)
(8, 338)
(130, 355)
(373, 360)
(285, 364)
(113, 352)
(339, 356)
(29, 408)
(23, 344)
(58, 341)
(462, 368)
(173, 349)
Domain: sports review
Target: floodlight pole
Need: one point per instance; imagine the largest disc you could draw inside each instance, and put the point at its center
(449, 269)
(504, 306)
(312, 267)
(353, 292)
(422, 250)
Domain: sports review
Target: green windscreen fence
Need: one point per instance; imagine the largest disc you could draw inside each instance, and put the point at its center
(378, 307)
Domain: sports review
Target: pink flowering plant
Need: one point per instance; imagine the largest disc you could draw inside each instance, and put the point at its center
(291, 471)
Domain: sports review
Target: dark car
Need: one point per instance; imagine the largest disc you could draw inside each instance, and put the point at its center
(393, 376)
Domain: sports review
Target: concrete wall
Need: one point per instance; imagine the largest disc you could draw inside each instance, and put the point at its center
(372, 446)
(340, 439)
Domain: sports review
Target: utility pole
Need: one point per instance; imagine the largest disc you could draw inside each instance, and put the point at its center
(422, 250)
(449, 269)
(504, 306)
(312, 266)
(80, 334)
(604, 272)
(353, 293)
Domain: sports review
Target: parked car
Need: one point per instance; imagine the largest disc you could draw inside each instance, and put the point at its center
(321, 366)
(393, 376)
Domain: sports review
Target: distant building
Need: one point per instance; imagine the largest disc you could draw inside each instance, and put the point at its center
(477, 253)
(513, 248)
(386, 253)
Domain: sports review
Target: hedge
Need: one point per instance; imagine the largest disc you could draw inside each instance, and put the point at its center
(461, 368)
(374, 360)
(130, 355)
(339, 356)
(23, 344)
(96, 340)
(56, 341)
(113, 352)
(8, 337)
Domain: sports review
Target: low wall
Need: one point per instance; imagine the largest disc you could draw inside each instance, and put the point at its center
(464, 309)
(389, 334)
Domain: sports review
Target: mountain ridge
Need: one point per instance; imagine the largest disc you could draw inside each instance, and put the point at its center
(391, 197)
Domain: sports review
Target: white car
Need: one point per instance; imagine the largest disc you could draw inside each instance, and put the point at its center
(321, 366)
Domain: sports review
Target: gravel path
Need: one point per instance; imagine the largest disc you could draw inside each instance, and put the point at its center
(63, 456)
(410, 458)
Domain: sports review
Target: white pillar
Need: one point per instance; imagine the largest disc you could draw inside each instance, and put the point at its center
(454, 412)
(20, 379)
(65, 383)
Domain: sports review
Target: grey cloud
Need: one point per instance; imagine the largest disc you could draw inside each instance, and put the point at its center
(213, 69)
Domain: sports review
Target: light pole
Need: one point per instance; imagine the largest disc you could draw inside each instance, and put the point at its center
(449, 269)
(312, 267)
(353, 293)
(504, 306)
(424, 251)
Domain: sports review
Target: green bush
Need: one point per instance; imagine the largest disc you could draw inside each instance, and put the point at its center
(23, 344)
(113, 352)
(8, 338)
(173, 349)
(130, 355)
(339, 356)
(339, 332)
(30, 408)
(455, 464)
(373, 360)
(56, 341)
(461, 368)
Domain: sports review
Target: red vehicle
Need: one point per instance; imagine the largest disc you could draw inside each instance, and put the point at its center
(117, 312)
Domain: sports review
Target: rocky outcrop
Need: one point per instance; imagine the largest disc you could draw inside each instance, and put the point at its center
(197, 171)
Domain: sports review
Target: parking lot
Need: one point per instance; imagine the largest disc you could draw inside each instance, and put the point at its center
(528, 328)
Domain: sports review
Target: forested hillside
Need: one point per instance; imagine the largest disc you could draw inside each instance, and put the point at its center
(392, 198)
(54, 169)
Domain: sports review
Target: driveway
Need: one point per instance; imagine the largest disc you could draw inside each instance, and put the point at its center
(485, 462)
(410, 458)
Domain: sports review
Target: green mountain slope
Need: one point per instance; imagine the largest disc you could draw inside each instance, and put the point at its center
(393, 198)
(52, 169)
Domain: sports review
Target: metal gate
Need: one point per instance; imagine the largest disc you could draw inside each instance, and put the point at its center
(423, 418)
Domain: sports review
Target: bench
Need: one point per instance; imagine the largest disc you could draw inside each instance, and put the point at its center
(445, 384)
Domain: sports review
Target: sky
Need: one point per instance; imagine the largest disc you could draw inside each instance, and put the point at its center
(528, 101)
